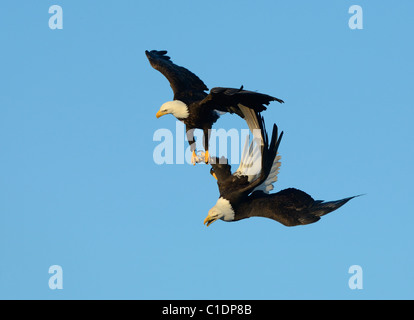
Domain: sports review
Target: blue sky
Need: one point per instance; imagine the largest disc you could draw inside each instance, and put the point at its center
(79, 187)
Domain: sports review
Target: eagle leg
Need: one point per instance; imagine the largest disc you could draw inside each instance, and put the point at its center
(206, 157)
(206, 132)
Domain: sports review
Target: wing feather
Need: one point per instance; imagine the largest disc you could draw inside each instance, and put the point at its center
(228, 100)
(269, 152)
(250, 163)
(182, 80)
(267, 185)
(252, 119)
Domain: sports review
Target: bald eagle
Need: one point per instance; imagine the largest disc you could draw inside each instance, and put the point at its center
(245, 193)
(197, 109)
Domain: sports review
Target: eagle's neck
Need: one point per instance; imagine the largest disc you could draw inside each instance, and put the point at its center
(225, 208)
(177, 108)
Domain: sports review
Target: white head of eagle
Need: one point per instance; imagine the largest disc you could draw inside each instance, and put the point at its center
(222, 210)
(177, 108)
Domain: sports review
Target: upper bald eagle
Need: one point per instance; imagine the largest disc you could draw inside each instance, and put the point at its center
(196, 108)
(245, 193)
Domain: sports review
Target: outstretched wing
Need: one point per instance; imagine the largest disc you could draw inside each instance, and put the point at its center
(269, 166)
(258, 165)
(182, 80)
(229, 99)
(250, 163)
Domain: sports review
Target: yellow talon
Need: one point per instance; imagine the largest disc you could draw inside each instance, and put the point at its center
(194, 158)
(206, 157)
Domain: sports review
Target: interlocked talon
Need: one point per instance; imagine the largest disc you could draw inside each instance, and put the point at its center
(202, 156)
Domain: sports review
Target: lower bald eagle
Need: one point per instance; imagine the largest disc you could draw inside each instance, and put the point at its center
(245, 193)
(197, 109)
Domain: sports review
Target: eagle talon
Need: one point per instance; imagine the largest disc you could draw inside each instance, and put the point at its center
(206, 157)
(194, 158)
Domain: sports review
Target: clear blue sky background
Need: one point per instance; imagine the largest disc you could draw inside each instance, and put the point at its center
(79, 187)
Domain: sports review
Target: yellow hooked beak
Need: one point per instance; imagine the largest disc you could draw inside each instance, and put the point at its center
(214, 175)
(160, 114)
(210, 219)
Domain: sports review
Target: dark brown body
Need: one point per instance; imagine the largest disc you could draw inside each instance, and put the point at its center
(290, 207)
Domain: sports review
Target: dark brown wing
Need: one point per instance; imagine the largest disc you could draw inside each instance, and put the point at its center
(183, 82)
(228, 100)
